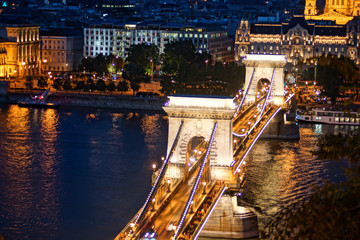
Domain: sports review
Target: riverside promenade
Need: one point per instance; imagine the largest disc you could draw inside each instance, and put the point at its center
(94, 99)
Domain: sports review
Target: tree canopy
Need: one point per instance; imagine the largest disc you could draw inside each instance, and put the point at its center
(102, 64)
(186, 72)
(338, 76)
(144, 55)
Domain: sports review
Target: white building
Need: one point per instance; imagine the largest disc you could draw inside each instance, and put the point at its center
(116, 39)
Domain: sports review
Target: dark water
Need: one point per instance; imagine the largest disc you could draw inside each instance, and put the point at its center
(76, 173)
(82, 173)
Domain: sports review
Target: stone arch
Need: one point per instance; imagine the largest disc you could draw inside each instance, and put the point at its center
(262, 87)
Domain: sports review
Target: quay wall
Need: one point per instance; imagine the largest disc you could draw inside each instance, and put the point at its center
(95, 100)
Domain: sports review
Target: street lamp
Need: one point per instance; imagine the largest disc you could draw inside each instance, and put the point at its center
(204, 190)
(168, 182)
(315, 72)
(153, 204)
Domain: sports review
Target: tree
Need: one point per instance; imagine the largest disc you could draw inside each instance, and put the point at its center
(308, 74)
(90, 84)
(111, 86)
(80, 85)
(135, 74)
(333, 211)
(122, 86)
(66, 84)
(185, 71)
(338, 76)
(100, 85)
(57, 84)
(42, 82)
(29, 82)
(145, 55)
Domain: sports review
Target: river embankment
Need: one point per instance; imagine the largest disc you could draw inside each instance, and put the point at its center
(99, 100)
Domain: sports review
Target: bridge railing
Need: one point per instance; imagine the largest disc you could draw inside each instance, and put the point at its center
(195, 187)
(203, 212)
(133, 224)
(263, 123)
(245, 93)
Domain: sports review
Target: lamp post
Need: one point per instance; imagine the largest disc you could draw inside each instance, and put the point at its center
(153, 204)
(152, 70)
(204, 190)
(168, 188)
(153, 177)
(315, 72)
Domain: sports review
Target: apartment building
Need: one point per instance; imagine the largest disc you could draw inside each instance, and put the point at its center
(61, 50)
(117, 38)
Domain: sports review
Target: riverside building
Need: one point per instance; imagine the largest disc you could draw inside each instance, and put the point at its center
(299, 39)
(117, 38)
(61, 50)
(19, 50)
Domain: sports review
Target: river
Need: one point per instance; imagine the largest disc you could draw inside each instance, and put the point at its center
(81, 173)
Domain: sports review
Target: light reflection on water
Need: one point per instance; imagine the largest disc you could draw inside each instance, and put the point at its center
(74, 173)
(281, 173)
(83, 173)
(27, 147)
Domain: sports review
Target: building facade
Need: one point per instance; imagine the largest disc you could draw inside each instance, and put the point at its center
(116, 39)
(298, 39)
(61, 50)
(341, 11)
(19, 50)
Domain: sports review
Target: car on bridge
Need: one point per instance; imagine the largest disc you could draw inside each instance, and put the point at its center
(150, 234)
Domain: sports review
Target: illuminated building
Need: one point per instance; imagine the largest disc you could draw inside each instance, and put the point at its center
(109, 39)
(19, 50)
(298, 39)
(61, 50)
(341, 11)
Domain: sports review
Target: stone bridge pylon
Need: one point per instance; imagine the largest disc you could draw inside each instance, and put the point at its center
(199, 114)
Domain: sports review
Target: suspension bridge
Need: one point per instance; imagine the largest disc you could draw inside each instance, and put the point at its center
(197, 185)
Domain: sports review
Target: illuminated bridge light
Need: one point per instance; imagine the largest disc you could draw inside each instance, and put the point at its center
(257, 137)
(187, 206)
(208, 215)
(161, 172)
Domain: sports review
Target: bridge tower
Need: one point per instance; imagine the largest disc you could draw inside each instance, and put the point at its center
(263, 68)
(260, 70)
(199, 114)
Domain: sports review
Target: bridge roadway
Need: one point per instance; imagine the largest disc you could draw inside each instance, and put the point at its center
(172, 212)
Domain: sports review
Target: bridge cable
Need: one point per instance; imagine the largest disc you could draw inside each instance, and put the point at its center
(187, 206)
(265, 103)
(261, 131)
(245, 93)
(160, 175)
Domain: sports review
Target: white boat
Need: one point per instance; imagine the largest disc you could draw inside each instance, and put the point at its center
(329, 116)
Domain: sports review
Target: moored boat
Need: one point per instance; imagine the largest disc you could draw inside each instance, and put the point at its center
(39, 101)
(32, 103)
(328, 116)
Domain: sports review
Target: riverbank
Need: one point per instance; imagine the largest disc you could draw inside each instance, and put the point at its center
(98, 100)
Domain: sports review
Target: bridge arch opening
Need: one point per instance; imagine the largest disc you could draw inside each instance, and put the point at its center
(262, 87)
(196, 150)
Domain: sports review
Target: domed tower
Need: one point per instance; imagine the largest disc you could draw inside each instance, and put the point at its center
(310, 8)
(242, 39)
(341, 6)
